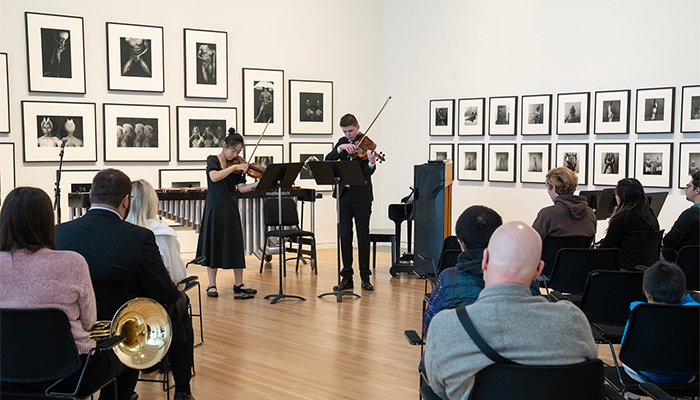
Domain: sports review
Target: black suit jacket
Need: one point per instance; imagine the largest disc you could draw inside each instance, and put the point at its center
(358, 193)
(124, 260)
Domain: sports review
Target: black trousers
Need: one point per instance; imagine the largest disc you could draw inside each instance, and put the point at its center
(361, 213)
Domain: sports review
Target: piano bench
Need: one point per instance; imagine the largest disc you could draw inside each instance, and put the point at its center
(383, 236)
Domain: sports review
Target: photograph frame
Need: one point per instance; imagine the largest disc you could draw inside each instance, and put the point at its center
(600, 163)
(441, 124)
(609, 117)
(496, 125)
(68, 35)
(563, 150)
(434, 149)
(646, 169)
(690, 109)
(496, 175)
(529, 172)
(529, 124)
(8, 175)
(646, 119)
(578, 125)
(166, 176)
(306, 122)
(185, 117)
(144, 56)
(4, 94)
(475, 174)
(464, 106)
(118, 115)
(270, 154)
(253, 124)
(297, 151)
(688, 160)
(198, 70)
(37, 115)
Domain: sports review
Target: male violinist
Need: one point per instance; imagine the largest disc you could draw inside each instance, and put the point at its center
(355, 202)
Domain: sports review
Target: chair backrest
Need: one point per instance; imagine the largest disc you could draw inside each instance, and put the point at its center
(640, 248)
(290, 217)
(607, 296)
(36, 345)
(552, 245)
(572, 266)
(689, 261)
(450, 243)
(663, 339)
(524, 382)
(448, 259)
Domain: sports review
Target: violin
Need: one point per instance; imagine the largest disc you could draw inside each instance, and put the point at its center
(365, 143)
(254, 171)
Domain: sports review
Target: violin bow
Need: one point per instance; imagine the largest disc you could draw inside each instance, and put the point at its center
(375, 118)
(256, 144)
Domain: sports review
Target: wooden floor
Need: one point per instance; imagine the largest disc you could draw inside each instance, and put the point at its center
(313, 349)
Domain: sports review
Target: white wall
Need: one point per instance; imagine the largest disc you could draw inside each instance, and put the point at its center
(459, 49)
(316, 40)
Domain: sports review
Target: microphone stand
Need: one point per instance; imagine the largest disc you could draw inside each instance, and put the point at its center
(57, 189)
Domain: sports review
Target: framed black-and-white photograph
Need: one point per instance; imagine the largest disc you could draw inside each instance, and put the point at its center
(503, 116)
(610, 163)
(537, 114)
(502, 163)
(572, 113)
(655, 110)
(690, 109)
(46, 124)
(442, 117)
(4, 95)
(201, 130)
(137, 132)
(206, 64)
(652, 164)
(534, 162)
(265, 154)
(55, 53)
(310, 107)
(470, 117)
(574, 156)
(470, 162)
(688, 162)
(263, 101)
(7, 169)
(306, 153)
(441, 152)
(135, 58)
(182, 178)
(74, 181)
(612, 112)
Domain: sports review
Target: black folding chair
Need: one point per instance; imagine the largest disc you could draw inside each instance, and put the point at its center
(640, 248)
(571, 268)
(551, 246)
(689, 261)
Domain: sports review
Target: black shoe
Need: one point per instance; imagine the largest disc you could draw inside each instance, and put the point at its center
(345, 284)
(241, 289)
(183, 396)
(367, 285)
(134, 396)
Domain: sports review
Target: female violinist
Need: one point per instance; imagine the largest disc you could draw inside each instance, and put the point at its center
(221, 235)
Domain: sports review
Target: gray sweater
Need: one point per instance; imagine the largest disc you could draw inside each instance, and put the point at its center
(524, 328)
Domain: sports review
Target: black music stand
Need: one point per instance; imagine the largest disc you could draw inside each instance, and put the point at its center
(601, 201)
(338, 173)
(279, 176)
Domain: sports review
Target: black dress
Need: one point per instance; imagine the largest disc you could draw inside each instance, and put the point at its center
(221, 236)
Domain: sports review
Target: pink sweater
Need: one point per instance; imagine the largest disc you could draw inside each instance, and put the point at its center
(51, 279)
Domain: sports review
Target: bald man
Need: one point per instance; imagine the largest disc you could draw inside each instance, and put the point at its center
(523, 328)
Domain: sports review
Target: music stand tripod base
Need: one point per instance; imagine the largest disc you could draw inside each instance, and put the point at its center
(339, 295)
(280, 296)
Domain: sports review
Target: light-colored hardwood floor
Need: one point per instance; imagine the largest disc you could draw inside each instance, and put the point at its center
(313, 349)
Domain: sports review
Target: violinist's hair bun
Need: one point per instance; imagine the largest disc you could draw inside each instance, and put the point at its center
(231, 130)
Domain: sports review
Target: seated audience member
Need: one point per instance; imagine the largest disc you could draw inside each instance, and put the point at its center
(686, 229)
(570, 214)
(35, 275)
(144, 212)
(632, 214)
(460, 285)
(511, 321)
(125, 263)
(663, 283)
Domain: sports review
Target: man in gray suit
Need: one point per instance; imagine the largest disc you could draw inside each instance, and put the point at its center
(524, 328)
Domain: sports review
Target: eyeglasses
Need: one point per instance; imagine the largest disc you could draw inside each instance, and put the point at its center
(688, 186)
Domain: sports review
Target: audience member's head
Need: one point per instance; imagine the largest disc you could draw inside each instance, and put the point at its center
(561, 180)
(111, 187)
(144, 203)
(27, 221)
(475, 227)
(513, 255)
(692, 189)
(664, 283)
(631, 199)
